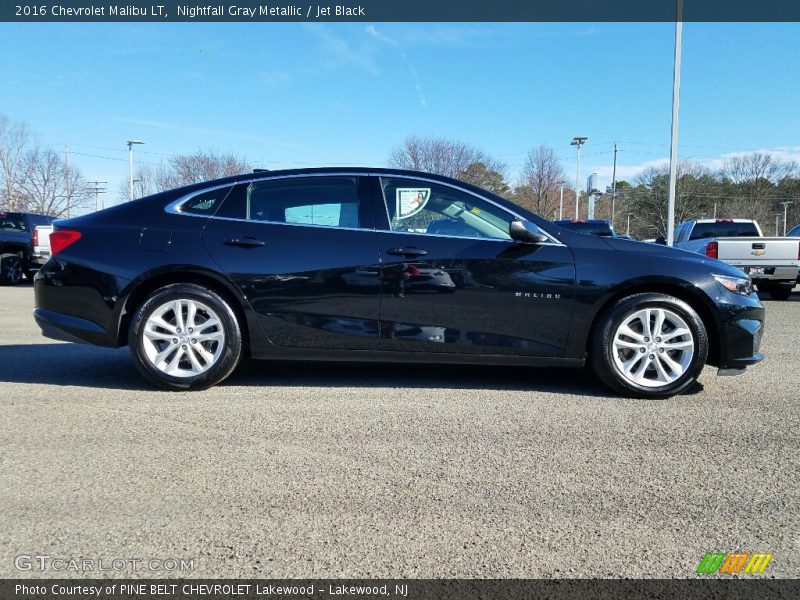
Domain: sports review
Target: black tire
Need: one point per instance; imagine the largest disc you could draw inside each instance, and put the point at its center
(602, 357)
(230, 352)
(10, 269)
(780, 292)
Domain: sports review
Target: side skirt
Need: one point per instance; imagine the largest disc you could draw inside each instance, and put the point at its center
(388, 356)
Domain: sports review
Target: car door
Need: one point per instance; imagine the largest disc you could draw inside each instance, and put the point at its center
(453, 280)
(300, 249)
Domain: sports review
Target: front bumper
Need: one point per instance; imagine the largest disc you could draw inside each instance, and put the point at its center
(741, 332)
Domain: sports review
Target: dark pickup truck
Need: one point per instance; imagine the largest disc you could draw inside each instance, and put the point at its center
(16, 245)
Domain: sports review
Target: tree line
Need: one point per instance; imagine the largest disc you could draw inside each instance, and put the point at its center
(750, 186)
(36, 178)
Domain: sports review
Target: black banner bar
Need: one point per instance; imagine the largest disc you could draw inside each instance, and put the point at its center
(266, 11)
(398, 589)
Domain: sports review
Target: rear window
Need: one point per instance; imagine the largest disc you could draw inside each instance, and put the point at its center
(36, 220)
(12, 222)
(715, 230)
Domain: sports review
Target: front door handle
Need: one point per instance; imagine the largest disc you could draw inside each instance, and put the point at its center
(245, 242)
(408, 251)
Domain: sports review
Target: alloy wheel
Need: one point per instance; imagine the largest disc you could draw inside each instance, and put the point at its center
(183, 338)
(653, 347)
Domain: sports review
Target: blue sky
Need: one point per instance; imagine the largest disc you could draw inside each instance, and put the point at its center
(288, 95)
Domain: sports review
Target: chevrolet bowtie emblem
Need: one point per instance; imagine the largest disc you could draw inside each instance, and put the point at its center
(758, 252)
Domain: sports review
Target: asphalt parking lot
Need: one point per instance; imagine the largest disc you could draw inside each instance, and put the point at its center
(395, 471)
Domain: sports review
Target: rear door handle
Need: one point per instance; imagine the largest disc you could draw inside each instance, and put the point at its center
(246, 242)
(409, 251)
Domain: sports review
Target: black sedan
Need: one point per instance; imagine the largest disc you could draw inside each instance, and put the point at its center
(346, 264)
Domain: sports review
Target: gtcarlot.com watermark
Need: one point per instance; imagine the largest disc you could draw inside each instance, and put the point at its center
(44, 563)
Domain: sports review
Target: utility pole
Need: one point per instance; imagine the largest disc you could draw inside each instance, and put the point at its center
(785, 206)
(614, 186)
(130, 165)
(628, 230)
(578, 141)
(66, 179)
(673, 149)
(97, 188)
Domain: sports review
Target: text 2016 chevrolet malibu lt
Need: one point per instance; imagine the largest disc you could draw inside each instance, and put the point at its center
(385, 265)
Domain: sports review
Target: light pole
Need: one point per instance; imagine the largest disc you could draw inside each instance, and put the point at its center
(673, 148)
(614, 186)
(578, 141)
(130, 165)
(628, 230)
(785, 206)
(561, 200)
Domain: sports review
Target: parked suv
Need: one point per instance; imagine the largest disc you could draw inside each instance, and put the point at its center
(16, 245)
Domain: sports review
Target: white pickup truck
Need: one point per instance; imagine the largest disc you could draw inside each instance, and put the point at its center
(771, 262)
(41, 244)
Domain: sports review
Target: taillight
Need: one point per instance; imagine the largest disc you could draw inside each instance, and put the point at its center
(63, 238)
(35, 237)
(712, 249)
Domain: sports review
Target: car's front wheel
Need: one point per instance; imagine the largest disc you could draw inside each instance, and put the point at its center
(649, 346)
(185, 337)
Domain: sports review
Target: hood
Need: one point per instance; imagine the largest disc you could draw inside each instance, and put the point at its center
(665, 252)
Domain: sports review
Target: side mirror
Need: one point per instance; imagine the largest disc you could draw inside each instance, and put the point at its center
(526, 232)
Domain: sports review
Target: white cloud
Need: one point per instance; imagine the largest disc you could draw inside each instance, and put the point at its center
(714, 163)
(339, 52)
(373, 32)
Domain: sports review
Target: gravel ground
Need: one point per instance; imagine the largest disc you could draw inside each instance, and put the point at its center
(291, 470)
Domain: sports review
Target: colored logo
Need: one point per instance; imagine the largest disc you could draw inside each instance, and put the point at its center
(734, 562)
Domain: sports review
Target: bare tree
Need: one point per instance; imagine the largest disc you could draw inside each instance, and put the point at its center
(751, 181)
(647, 201)
(440, 156)
(184, 169)
(15, 140)
(484, 177)
(541, 177)
(50, 188)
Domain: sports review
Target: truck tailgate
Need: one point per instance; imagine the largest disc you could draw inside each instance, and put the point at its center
(759, 250)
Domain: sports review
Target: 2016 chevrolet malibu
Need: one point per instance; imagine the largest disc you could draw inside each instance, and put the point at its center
(347, 264)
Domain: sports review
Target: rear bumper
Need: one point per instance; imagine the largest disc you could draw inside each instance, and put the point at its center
(67, 328)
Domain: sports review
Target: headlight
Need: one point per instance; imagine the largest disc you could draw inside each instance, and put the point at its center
(737, 285)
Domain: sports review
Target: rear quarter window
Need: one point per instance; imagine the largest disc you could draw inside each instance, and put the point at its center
(205, 203)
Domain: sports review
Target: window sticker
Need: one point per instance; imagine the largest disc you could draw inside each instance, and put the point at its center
(410, 201)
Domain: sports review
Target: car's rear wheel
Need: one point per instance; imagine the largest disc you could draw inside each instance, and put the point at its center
(10, 269)
(649, 346)
(185, 337)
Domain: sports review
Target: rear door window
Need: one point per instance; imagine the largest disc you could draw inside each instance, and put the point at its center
(318, 201)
